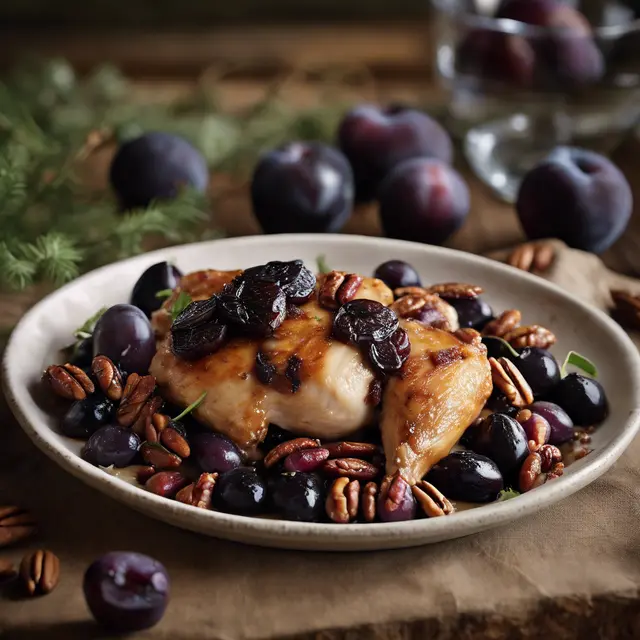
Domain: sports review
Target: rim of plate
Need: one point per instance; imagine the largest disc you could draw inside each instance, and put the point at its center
(407, 533)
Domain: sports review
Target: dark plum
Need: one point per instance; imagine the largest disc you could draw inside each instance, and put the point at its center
(158, 277)
(472, 312)
(402, 507)
(389, 355)
(559, 421)
(498, 348)
(201, 341)
(397, 274)
(253, 306)
(126, 591)
(469, 476)
(423, 200)
(125, 335)
(302, 187)
(82, 353)
(196, 314)
(577, 196)
(111, 445)
(214, 452)
(297, 282)
(298, 496)
(306, 460)
(156, 166)
(537, 428)
(501, 438)
(275, 436)
(364, 321)
(499, 403)
(375, 140)
(86, 416)
(539, 368)
(582, 398)
(241, 491)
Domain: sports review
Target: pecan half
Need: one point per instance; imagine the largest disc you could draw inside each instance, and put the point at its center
(541, 466)
(200, 493)
(108, 377)
(40, 572)
(532, 256)
(342, 500)
(393, 491)
(337, 288)
(144, 473)
(137, 391)
(626, 309)
(185, 495)
(16, 524)
(530, 336)
(432, 501)
(415, 306)
(175, 442)
(149, 409)
(353, 468)
(456, 290)
(469, 336)
(68, 381)
(285, 449)
(509, 380)
(166, 483)
(351, 449)
(410, 291)
(368, 506)
(157, 456)
(507, 321)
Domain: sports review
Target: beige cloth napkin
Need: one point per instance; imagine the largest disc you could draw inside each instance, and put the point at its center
(572, 571)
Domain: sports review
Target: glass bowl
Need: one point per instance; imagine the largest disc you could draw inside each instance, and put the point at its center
(517, 90)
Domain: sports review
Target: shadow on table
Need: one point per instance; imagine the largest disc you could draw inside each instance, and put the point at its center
(80, 630)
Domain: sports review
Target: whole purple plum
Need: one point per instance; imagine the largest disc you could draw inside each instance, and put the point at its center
(375, 140)
(578, 196)
(423, 200)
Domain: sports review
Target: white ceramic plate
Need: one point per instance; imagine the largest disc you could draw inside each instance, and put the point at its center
(48, 326)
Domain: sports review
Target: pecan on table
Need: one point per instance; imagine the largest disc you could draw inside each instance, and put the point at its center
(507, 321)
(137, 391)
(626, 310)
(108, 377)
(353, 468)
(455, 290)
(532, 256)
(508, 379)
(338, 288)
(343, 500)
(68, 381)
(40, 572)
(530, 336)
(432, 501)
(16, 524)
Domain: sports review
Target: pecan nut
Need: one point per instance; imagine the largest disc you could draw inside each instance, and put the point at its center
(175, 442)
(185, 495)
(530, 336)
(68, 381)
(40, 572)
(285, 449)
(137, 391)
(353, 468)
(538, 428)
(432, 501)
(540, 467)
(456, 290)
(393, 491)
(508, 379)
(368, 506)
(532, 256)
(550, 456)
(626, 309)
(507, 321)
(337, 288)
(157, 456)
(144, 473)
(108, 377)
(442, 316)
(149, 409)
(469, 336)
(166, 483)
(343, 500)
(199, 494)
(351, 449)
(16, 524)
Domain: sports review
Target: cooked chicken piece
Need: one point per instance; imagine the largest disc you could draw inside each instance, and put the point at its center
(319, 389)
(442, 389)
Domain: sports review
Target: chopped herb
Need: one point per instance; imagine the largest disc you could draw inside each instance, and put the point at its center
(164, 293)
(180, 304)
(507, 494)
(86, 330)
(574, 359)
(191, 407)
(318, 318)
(323, 267)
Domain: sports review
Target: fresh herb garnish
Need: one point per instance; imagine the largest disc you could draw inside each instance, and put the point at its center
(317, 318)
(86, 330)
(323, 267)
(507, 494)
(574, 359)
(507, 346)
(180, 304)
(164, 293)
(191, 407)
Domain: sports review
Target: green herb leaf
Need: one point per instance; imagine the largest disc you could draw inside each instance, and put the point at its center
(323, 267)
(181, 303)
(164, 293)
(507, 494)
(191, 407)
(574, 359)
(86, 330)
(507, 346)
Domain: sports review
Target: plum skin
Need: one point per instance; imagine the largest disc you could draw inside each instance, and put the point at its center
(376, 140)
(423, 200)
(155, 166)
(302, 187)
(577, 196)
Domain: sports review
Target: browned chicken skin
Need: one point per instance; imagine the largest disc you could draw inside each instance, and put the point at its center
(321, 386)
